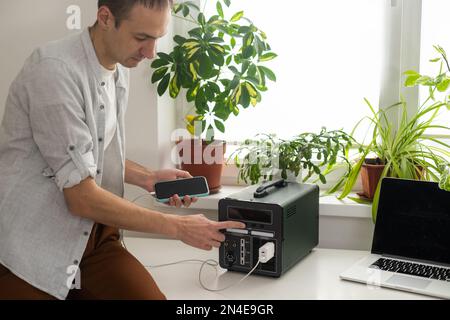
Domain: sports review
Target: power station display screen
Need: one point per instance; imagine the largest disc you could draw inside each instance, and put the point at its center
(258, 216)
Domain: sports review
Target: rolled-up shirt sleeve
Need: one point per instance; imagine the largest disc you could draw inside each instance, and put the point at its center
(58, 122)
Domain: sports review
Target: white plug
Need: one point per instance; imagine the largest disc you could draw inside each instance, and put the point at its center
(266, 252)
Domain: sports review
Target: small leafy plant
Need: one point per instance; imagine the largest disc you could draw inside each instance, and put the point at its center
(220, 65)
(267, 155)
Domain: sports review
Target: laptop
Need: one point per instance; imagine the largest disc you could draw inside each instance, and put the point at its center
(411, 240)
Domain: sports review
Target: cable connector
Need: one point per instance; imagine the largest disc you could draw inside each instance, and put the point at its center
(266, 252)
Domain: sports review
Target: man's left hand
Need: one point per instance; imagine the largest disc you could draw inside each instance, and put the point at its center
(173, 174)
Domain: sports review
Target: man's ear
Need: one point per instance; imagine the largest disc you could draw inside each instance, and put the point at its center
(105, 18)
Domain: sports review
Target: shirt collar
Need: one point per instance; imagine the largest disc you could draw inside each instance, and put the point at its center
(99, 71)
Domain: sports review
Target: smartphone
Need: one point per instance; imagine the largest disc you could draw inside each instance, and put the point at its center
(193, 187)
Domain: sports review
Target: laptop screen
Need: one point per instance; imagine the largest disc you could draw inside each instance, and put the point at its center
(413, 220)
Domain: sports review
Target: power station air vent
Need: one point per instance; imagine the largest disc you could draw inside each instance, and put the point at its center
(291, 211)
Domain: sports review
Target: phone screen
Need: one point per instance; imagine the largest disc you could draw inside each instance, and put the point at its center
(182, 187)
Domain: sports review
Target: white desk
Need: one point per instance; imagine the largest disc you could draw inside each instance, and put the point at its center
(315, 277)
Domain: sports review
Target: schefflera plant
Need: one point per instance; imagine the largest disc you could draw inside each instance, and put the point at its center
(220, 65)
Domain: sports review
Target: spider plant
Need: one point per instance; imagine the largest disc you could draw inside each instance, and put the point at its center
(407, 152)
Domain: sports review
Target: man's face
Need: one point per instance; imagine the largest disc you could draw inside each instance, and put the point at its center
(136, 37)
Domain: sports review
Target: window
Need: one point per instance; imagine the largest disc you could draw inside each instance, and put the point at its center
(329, 59)
(435, 25)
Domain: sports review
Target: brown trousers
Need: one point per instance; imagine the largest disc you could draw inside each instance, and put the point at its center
(108, 271)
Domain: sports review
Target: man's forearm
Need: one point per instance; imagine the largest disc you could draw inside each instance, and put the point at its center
(92, 202)
(138, 175)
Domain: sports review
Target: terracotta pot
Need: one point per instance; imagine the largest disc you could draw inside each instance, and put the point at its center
(202, 159)
(370, 176)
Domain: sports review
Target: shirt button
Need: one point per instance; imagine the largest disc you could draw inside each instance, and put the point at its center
(99, 171)
(102, 107)
(86, 233)
(71, 148)
(102, 84)
(100, 139)
(75, 262)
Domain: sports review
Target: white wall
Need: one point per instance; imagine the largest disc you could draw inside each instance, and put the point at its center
(26, 24)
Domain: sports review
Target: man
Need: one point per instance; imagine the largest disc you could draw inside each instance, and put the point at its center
(62, 166)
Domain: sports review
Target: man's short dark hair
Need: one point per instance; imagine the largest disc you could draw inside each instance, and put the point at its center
(121, 8)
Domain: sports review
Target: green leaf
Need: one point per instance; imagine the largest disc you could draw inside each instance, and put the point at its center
(219, 9)
(244, 30)
(261, 77)
(233, 42)
(269, 73)
(192, 93)
(235, 71)
(245, 96)
(205, 67)
(252, 71)
(411, 80)
(425, 80)
(185, 11)
(237, 16)
(220, 126)
(214, 87)
(260, 46)
(177, 7)
(322, 178)
(227, 2)
(234, 83)
(221, 111)
(216, 40)
(159, 74)
(248, 39)
(162, 87)
(201, 19)
(267, 56)
(159, 63)
(165, 56)
(411, 73)
(245, 66)
(209, 94)
(435, 60)
(200, 101)
(174, 86)
(179, 40)
(217, 59)
(248, 52)
(443, 85)
(196, 33)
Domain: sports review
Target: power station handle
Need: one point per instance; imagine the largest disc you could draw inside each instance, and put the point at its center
(262, 189)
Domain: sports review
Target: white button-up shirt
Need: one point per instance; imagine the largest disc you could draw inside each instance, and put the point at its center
(52, 137)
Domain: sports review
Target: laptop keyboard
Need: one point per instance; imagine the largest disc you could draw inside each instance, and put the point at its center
(414, 269)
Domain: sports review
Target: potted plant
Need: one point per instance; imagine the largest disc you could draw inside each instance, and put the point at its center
(405, 153)
(267, 156)
(219, 69)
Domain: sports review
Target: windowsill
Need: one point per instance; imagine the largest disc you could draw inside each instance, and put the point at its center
(328, 205)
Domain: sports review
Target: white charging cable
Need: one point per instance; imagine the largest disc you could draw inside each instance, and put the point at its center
(265, 253)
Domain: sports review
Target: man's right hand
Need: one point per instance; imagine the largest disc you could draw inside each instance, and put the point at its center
(200, 232)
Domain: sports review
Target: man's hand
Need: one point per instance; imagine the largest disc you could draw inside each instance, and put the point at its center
(140, 176)
(202, 233)
(173, 174)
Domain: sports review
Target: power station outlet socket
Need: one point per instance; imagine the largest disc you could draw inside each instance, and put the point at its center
(266, 252)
